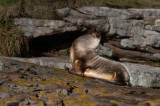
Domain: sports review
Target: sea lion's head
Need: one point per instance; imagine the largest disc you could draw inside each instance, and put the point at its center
(96, 30)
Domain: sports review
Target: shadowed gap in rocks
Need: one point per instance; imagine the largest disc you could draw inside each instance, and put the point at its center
(50, 43)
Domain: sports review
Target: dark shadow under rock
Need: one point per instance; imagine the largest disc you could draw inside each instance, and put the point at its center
(53, 43)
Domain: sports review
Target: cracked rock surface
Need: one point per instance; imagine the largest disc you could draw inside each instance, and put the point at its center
(29, 84)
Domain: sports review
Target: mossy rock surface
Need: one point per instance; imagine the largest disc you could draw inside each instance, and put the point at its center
(23, 83)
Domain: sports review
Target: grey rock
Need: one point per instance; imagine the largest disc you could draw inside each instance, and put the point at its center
(104, 11)
(147, 13)
(151, 38)
(60, 62)
(104, 51)
(97, 11)
(64, 12)
(137, 33)
(130, 28)
(119, 27)
(127, 43)
(149, 27)
(102, 23)
(1, 66)
(77, 14)
(157, 22)
(143, 75)
(39, 27)
(157, 28)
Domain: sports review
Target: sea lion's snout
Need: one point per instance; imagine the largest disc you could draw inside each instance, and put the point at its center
(98, 35)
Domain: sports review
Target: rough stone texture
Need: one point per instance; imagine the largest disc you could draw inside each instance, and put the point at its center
(1, 66)
(39, 27)
(130, 23)
(140, 75)
(143, 75)
(127, 34)
(55, 62)
(126, 29)
(64, 12)
(30, 84)
(103, 51)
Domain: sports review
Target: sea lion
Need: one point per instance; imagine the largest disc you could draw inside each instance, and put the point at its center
(85, 62)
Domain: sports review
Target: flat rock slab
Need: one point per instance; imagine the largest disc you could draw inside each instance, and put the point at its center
(54, 62)
(140, 75)
(143, 75)
(23, 83)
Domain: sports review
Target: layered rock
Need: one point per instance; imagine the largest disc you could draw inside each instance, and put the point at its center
(125, 29)
(39, 27)
(136, 30)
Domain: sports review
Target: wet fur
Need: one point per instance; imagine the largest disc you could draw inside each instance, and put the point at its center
(86, 63)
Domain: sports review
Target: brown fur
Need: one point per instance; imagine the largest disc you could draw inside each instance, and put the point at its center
(86, 63)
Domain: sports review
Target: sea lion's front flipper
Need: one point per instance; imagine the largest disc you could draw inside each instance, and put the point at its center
(75, 69)
(73, 72)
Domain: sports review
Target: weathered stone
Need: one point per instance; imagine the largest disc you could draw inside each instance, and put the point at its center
(97, 11)
(139, 26)
(140, 75)
(157, 22)
(104, 11)
(134, 55)
(157, 28)
(4, 94)
(149, 27)
(143, 75)
(127, 43)
(64, 12)
(60, 62)
(86, 91)
(55, 103)
(104, 51)
(31, 102)
(1, 66)
(76, 14)
(151, 38)
(39, 27)
(119, 27)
